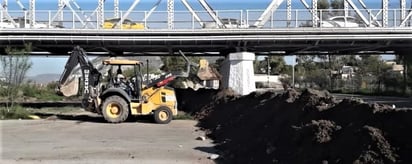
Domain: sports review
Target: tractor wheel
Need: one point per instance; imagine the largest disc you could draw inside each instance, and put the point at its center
(163, 115)
(115, 109)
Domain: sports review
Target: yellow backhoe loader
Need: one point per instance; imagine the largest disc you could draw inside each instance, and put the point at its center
(115, 97)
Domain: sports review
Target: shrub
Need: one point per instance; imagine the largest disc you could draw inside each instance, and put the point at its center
(41, 93)
(15, 112)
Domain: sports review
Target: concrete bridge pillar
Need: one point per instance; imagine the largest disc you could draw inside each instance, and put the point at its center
(238, 73)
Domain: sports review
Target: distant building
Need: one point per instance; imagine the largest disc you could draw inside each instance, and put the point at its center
(395, 67)
(268, 81)
(211, 84)
(347, 72)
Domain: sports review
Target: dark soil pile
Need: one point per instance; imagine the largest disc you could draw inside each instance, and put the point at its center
(307, 127)
(192, 102)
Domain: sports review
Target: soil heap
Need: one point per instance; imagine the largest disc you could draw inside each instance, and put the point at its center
(307, 127)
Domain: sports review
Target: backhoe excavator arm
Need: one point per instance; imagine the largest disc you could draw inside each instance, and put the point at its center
(69, 86)
(205, 72)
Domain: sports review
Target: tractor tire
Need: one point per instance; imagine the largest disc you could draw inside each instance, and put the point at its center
(115, 109)
(163, 115)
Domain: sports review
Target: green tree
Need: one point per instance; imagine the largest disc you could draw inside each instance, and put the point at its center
(14, 66)
(177, 65)
(323, 4)
(337, 4)
(405, 59)
(277, 65)
(369, 72)
(305, 64)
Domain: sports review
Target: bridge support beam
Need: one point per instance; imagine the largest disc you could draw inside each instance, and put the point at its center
(238, 74)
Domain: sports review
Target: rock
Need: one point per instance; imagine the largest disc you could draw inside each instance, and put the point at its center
(52, 118)
(213, 156)
(131, 156)
(201, 138)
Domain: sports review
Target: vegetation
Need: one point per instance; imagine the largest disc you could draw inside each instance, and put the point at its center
(177, 65)
(277, 65)
(337, 4)
(152, 70)
(327, 4)
(14, 112)
(40, 92)
(56, 110)
(183, 116)
(14, 66)
(366, 74)
(14, 87)
(323, 4)
(362, 74)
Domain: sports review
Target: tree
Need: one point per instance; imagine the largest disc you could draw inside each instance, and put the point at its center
(277, 65)
(176, 64)
(406, 61)
(337, 4)
(323, 4)
(305, 64)
(14, 66)
(371, 71)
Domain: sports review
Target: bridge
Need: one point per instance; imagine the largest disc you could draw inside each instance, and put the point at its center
(284, 27)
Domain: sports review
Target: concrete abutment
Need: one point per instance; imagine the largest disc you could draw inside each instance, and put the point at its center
(238, 73)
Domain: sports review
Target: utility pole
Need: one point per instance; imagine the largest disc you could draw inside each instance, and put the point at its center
(293, 71)
(268, 68)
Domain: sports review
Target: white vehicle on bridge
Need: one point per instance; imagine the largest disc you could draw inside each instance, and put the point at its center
(25, 23)
(227, 22)
(342, 21)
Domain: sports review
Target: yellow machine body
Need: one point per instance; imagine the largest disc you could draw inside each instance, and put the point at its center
(153, 98)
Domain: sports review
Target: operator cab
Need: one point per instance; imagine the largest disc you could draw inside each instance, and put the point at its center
(117, 79)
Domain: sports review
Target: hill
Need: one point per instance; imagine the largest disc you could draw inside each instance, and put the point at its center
(44, 78)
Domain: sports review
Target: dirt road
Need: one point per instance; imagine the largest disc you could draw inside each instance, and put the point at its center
(68, 141)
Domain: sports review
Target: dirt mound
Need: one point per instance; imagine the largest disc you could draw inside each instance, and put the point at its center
(307, 127)
(192, 102)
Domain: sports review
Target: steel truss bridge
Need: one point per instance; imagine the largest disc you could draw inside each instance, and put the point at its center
(282, 27)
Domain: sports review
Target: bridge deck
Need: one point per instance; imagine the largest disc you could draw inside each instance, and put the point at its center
(282, 40)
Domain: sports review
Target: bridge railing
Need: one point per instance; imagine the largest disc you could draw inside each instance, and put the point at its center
(231, 18)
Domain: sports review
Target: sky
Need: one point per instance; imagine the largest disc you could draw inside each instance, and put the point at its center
(55, 65)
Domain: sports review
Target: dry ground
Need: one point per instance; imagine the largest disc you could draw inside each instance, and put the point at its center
(71, 141)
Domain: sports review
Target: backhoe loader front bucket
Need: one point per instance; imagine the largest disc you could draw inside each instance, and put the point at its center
(206, 72)
(70, 88)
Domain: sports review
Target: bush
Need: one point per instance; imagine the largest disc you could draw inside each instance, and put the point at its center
(183, 116)
(41, 93)
(15, 112)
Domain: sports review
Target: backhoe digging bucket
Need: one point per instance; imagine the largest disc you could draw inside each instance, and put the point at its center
(206, 72)
(70, 88)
